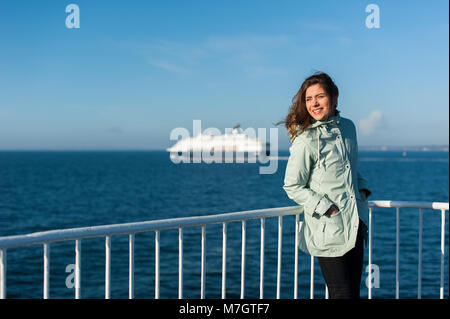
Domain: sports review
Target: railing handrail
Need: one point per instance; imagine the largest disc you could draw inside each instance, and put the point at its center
(59, 235)
(130, 229)
(409, 204)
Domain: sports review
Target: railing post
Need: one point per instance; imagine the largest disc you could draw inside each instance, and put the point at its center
(180, 263)
(77, 268)
(419, 265)
(441, 289)
(157, 264)
(224, 259)
(203, 265)
(243, 259)
(46, 269)
(261, 261)
(131, 267)
(311, 288)
(107, 267)
(397, 254)
(297, 227)
(280, 239)
(369, 286)
(2, 273)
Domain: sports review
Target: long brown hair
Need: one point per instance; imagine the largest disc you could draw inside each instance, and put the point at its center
(298, 116)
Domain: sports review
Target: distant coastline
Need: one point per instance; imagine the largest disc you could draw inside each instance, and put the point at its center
(421, 148)
(418, 148)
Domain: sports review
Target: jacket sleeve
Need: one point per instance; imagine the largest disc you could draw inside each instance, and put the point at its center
(362, 182)
(297, 175)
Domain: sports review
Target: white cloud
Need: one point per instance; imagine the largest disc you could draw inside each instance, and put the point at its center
(166, 66)
(370, 124)
(322, 27)
(246, 42)
(248, 52)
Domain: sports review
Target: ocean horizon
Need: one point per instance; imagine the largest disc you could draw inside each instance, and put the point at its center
(367, 148)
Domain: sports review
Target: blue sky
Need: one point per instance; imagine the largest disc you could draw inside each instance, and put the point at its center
(135, 70)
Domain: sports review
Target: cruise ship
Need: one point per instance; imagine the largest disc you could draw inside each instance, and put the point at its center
(233, 146)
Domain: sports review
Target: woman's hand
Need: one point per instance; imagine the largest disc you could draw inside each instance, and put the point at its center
(332, 210)
(363, 195)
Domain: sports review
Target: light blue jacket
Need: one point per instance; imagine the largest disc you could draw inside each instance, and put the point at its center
(323, 170)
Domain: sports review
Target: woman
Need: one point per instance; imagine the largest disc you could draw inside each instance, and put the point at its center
(322, 176)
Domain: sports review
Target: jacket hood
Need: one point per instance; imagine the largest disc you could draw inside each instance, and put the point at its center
(336, 118)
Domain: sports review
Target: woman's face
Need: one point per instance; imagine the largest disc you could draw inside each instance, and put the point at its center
(318, 103)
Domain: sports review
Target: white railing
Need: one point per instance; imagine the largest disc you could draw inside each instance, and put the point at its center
(77, 234)
(443, 207)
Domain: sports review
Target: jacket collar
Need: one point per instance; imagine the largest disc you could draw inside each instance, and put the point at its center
(336, 118)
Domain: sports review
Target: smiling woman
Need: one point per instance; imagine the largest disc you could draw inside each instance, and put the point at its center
(322, 176)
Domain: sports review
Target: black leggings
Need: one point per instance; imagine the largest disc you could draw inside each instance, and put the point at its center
(343, 274)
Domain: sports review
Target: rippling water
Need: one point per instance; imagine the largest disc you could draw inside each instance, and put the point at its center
(51, 190)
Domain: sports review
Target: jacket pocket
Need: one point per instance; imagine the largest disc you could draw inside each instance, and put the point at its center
(318, 235)
(334, 230)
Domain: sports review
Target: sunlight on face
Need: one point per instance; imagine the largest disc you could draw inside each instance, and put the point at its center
(318, 103)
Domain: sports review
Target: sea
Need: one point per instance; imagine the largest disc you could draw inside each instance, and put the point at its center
(47, 190)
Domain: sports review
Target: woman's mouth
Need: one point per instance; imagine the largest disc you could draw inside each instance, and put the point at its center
(317, 111)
